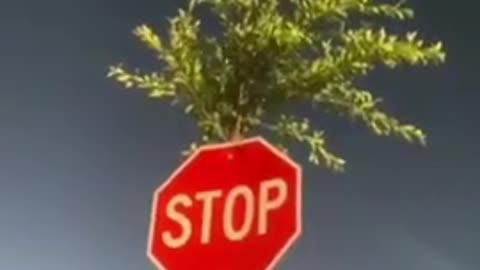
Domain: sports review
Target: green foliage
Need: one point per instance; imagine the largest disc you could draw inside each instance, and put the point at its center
(271, 53)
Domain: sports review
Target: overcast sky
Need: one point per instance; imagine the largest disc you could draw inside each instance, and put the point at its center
(80, 156)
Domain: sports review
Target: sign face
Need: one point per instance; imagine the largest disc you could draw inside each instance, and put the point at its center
(232, 206)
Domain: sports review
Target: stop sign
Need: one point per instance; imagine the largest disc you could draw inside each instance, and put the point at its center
(232, 206)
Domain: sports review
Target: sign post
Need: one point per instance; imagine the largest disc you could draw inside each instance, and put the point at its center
(231, 206)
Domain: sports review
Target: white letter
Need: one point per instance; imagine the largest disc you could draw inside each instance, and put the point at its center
(265, 204)
(184, 222)
(230, 232)
(207, 198)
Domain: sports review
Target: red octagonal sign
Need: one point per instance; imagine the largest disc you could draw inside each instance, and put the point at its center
(232, 206)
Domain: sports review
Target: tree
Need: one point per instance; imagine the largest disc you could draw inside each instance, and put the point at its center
(271, 53)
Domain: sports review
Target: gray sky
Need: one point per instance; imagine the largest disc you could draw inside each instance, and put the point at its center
(80, 156)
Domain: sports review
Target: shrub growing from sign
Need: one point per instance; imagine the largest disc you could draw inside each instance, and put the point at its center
(272, 53)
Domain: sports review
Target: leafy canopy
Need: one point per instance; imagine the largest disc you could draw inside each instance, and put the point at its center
(271, 53)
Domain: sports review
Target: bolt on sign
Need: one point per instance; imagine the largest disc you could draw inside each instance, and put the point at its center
(231, 206)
